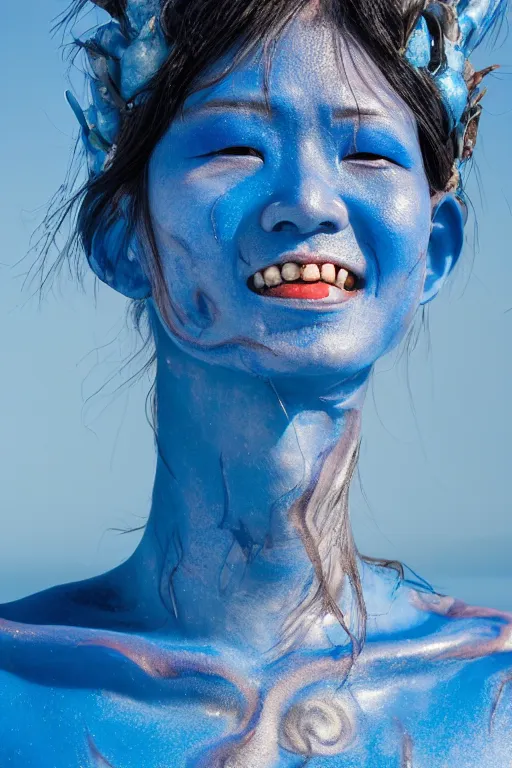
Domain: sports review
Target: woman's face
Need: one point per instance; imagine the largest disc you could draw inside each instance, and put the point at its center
(328, 172)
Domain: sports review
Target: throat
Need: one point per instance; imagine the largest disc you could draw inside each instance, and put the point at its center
(248, 541)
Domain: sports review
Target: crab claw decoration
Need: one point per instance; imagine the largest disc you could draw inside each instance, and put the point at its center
(123, 56)
(445, 35)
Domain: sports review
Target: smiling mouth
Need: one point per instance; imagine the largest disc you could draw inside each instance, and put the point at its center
(295, 280)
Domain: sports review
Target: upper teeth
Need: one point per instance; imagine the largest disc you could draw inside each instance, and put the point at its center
(272, 276)
(341, 278)
(328, 273)
(290, 271)
(310, 273)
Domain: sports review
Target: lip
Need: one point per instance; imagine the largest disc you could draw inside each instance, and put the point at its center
(335, 301)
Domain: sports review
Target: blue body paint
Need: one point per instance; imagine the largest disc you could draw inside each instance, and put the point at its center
(232, 637)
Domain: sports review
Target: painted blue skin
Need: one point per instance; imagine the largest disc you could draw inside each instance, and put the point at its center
(204, 649)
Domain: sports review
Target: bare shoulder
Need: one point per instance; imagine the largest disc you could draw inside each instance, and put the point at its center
(470, 632)
(475, 643)
(444, 669)
(99, 602)
(408, 608)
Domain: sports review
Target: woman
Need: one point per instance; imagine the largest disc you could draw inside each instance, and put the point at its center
(277, 184)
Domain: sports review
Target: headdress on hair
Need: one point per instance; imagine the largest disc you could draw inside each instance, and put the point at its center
(126, 53)
(123, 56)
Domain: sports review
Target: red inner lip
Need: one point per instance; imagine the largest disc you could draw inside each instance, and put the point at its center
(319, 290)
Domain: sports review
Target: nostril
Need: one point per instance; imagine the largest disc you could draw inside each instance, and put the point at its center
(329, 226)
(283, 226)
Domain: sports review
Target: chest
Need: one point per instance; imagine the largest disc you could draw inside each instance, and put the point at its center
(408, 715)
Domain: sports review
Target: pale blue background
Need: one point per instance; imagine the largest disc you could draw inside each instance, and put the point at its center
(435, 470)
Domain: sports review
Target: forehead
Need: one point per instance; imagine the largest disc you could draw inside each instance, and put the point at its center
(312, 65)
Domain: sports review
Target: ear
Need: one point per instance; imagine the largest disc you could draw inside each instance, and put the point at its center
(114, 258)
(445, 244)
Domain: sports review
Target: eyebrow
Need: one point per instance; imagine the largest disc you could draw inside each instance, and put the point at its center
(261, 107)
(344, 113)
(239, 105)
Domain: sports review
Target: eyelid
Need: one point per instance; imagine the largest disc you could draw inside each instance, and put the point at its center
(370, 157)
(252, 152)
(382, 141)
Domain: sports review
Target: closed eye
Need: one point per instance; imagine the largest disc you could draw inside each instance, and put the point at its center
(236, 152)
(370, 157)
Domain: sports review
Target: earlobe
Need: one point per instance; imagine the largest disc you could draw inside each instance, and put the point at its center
(114, 260)
(445, 245)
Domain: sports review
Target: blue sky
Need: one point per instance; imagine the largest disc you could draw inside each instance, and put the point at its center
(436, 465)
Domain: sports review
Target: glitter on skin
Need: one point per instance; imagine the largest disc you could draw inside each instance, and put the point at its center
(258, 430)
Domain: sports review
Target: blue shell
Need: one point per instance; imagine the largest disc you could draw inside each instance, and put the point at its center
(419, 46)
(476, 17)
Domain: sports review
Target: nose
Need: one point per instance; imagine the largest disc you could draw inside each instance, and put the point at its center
(312, 207)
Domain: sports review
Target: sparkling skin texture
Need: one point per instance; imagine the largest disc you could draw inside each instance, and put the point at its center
(210, 647)
(226, 216)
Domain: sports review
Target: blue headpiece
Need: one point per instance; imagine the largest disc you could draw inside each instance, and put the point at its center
(125, 54)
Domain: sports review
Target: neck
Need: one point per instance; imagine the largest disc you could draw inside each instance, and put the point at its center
(248, 539)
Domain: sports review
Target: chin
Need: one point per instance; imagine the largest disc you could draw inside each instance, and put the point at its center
(332, 349)
(293, 355)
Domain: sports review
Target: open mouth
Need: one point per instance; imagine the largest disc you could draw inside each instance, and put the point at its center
(304, 281)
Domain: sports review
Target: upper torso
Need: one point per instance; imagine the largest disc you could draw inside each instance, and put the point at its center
(436, 693)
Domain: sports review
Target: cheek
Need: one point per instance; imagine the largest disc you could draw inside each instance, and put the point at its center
(182, 206)
(395, 233)
(393, 223)
(182, 217)
(196, 214)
